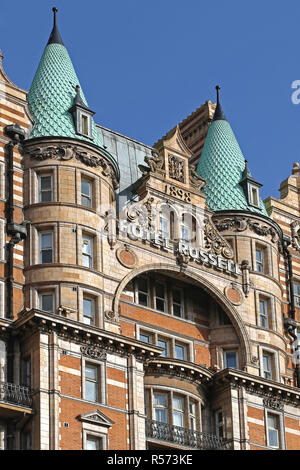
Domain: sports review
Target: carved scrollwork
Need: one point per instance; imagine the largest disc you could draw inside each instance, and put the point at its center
(243, 223)
(176, 168)
(215, 243)
(67, 152)
(273, 403)
(93, 352)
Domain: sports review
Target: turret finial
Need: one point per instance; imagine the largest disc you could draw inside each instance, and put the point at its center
(219, 115)
(55, 10)
(55, 37)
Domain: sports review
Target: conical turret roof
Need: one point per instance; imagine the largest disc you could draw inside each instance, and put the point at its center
(222, 165)
(53, 91)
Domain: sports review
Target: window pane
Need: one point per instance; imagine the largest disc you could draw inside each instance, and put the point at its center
(46, 302)
(143, 299)
(91, 372)
(145, 338)
(178, 403)
(91, 391)
(180, 352)
(46, 240)
(160, 290)
(163, 344)
(160, 399)
(178, 419)
(230, 359)
(161, 415)
(160, 305)
(92, 444)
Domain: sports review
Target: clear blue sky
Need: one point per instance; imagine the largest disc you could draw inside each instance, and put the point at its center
(145, 65)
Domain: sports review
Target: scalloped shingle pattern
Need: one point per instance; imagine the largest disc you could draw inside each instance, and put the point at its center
(221, 165)
(51, 96)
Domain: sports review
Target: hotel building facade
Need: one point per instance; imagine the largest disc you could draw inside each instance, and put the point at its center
(149, 299)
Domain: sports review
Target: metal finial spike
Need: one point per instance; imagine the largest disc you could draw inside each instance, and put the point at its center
(55, 10)
(218, 88)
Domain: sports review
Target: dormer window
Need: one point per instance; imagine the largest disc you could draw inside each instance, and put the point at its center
(82, 116)
(251, 187)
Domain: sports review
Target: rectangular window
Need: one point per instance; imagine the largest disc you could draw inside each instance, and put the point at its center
(145, 337)
(46, 302)
(273, 430)
(263, 313)
(91, 382)
(230, 359)
(185, 233)
(267, 365)
(45, 188)
(219, 424)
(180, 351)
(25, 372)
(296, 286)
(164, 226)
(86, 192)
(94, 443)
(178, 411)
(254, 196)
(84, 124)
(88, 311)
(160, 297)
(260, 260)
(161, 407)
(143, 292)
(46, 247)
(177, 302)
(192, 416)
(165, 344)
(87, 251)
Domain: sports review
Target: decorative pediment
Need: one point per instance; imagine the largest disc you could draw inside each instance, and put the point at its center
(174, 140)
(96, 417)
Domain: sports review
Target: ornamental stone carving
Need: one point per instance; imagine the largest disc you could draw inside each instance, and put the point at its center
(295, 228)
(214, 242)
(195, 180)
(68, 152)
(93, 352)
(240, 224)
(273, 403)
(126, 257)
(176, 168)
(155, 163)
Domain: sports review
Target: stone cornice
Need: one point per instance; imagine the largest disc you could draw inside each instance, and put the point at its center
(258, 386)
(182, 369)
(109, 342)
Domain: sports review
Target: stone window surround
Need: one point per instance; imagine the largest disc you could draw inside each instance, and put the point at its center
(102, 390)
(96, 196)
(35, 295)
(275, 360)
(262, 295)
(172, 338)
(228, 348)
(34, 175)
(268, 268)
(35, 231)
(170, 391)
(96, 431)
(281, 433)
(82, 292)
(96, 246)
(2, 240)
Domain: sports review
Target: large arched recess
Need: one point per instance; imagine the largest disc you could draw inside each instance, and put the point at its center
(204, 284)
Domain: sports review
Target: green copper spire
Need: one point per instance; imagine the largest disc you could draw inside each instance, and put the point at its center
(53, 91)
(222, 165)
